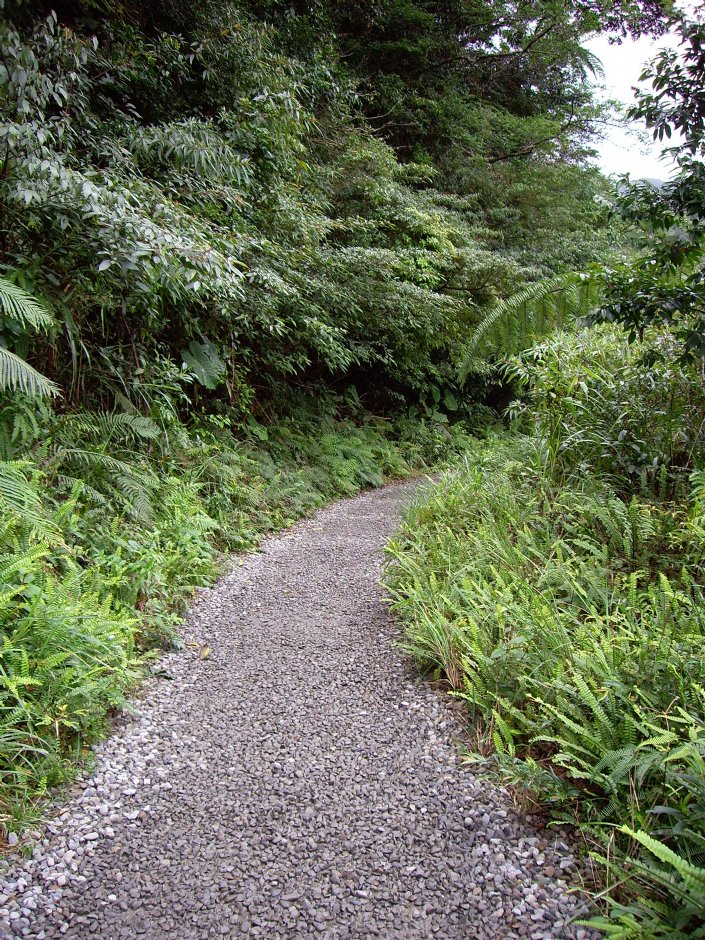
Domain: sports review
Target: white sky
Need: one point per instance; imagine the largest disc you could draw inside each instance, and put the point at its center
(623, 151)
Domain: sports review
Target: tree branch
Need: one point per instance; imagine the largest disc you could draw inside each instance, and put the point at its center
(528, 148)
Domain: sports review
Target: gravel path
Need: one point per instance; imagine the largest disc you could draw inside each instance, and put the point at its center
(299, 781)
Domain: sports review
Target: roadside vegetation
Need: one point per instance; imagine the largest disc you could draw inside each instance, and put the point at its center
(103, 544)
(243, 247)
(255, 255)
(555, 580)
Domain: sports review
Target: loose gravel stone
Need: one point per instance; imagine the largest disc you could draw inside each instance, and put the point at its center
(298, 781)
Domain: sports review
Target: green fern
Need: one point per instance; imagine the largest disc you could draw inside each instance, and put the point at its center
(20, 562)
(675, 905)
(515, 323)
(20, 496)
(122, 481)
(15, 373)
(106, 427)
(692, 877)
(21, 306)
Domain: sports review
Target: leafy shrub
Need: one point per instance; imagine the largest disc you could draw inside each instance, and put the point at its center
(173, 199)
(67, 650)
(603, 405)
(568, 612)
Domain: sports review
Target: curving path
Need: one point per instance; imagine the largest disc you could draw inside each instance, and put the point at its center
(298, 781)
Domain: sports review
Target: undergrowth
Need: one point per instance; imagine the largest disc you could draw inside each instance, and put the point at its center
(102, 545)
(554, 581)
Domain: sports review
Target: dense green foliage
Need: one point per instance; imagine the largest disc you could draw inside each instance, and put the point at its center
(556, 582)
(231, 234)
(255, 255)
(213, 216)
(206, 200)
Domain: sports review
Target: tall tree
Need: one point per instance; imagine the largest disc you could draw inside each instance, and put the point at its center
(667, 281)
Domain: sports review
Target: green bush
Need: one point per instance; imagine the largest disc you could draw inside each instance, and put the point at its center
(602, 405)
(569, 613)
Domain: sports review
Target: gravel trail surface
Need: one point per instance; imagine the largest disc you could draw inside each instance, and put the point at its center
(297, 781)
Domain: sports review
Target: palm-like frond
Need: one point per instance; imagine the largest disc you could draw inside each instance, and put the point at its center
(17, 303)
(684, 881)
(589, 63)
(19, 376)
(531, 313)
(121, 480)
(16, 374)
(92, 460)
(106, 426)
(20, 496)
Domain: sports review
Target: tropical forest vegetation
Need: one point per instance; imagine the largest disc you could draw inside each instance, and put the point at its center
(255, 255)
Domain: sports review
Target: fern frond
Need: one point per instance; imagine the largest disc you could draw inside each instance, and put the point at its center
(24, 560)
(126, 483)
(105, 426)
(513, 324)
(138, 500)
(93, 459)
(20, 496)
(86, 489)
(693, 876)
(20, 305)
(590, 63)
(16, 375)
(138, 425)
